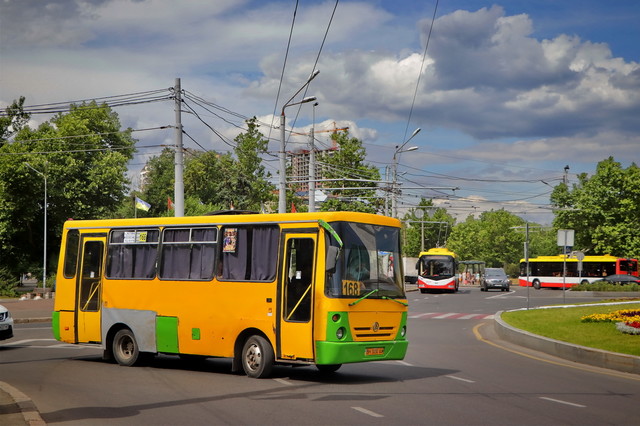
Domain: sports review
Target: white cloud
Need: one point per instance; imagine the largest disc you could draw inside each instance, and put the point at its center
(520, 99)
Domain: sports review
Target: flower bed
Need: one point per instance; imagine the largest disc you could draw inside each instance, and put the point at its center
(627, 320)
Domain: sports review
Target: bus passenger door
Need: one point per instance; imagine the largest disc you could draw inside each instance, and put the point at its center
(295, 331)
(88, 296)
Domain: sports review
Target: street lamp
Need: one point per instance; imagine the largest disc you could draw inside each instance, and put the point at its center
(44, 255)
(282, 196)
(399, 149)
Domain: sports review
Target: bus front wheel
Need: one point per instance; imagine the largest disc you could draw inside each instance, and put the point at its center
(257, 357)
(536, 284)
(125, 348)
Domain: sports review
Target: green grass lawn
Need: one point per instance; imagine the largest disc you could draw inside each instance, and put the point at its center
(564, 324)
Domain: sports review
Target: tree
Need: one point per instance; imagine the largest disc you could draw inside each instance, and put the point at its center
(250, 183)
(13, 120)
(346, 168)
(434, 223)
(159, 182)
(83, 154)
(213, 181)
(491, 238)
(603, 209)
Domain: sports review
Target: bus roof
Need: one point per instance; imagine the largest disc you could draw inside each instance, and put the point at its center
(235, 219)
(438, 251)
(562, 258)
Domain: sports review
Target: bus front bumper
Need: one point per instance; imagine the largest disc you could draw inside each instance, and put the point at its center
(351, 352)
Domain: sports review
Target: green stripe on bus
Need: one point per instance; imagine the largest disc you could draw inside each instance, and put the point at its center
(167, 334)
(55, 325)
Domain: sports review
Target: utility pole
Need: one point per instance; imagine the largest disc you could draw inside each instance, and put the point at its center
(178, 202)
(312, 164)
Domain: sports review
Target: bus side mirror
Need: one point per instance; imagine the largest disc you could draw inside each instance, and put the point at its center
(332, 258)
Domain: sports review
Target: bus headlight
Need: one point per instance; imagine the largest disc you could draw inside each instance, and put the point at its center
(340, 333)
(335, 317)
(403, 331)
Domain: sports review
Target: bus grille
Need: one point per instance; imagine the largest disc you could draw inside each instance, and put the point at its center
(372, 326)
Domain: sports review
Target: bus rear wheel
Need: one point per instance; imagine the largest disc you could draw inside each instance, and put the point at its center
(257, 357)
(536, 284)
(125, 348)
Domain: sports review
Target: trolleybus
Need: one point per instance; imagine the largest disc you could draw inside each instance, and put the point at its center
(547, 271)
(319, 289)
(438, 270)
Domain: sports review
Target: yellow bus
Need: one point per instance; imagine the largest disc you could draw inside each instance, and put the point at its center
(319, 289)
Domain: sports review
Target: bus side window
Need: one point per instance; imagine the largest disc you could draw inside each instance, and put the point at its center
(71, 253)
(249, 253)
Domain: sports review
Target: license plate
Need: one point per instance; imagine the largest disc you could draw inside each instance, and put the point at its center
(373, 351)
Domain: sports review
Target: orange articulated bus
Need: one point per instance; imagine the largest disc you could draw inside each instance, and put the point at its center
(321, 289)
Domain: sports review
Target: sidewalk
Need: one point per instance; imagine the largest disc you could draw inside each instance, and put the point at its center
(16, 408)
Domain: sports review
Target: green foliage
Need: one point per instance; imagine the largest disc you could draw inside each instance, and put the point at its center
(83, 154)
(435, 233)
(213, 181)
(14, 120)
(7, 282)
(347, 166)
(491, 238)
(604, 210)
(603, 285)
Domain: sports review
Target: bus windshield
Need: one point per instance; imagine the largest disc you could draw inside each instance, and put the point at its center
(436, 266)
(369, 261)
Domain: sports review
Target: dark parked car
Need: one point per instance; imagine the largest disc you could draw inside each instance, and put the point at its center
(495, 278)
(622, 279)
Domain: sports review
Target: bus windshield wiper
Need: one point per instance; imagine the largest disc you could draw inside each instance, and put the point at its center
(395, 300)
(355, 302)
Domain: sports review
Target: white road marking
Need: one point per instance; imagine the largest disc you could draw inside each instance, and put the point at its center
(446, 315)
(284, 382)
(461, 379)
(559, 401)
(368, 412)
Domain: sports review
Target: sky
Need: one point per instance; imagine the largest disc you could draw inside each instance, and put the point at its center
(507, 94)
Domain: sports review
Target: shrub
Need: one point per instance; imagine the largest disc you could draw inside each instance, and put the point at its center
(7, 283)
(605, 286)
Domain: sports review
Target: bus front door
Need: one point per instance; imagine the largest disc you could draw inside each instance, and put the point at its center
(89, 292)
(295, 331)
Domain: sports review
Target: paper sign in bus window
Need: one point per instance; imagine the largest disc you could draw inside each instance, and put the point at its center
(230, 240)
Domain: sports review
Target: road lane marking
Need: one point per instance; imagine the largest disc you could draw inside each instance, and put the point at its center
(446, 315)
(590, 369)
(461, 379)
(284, 382)
(451, 315)
(368, 412)
(559, 401)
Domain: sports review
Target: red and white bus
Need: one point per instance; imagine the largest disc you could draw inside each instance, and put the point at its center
(438, 270)
(547, 271)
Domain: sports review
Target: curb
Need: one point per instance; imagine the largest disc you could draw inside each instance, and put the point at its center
(582, 354)
(30, 320)
(25, 404)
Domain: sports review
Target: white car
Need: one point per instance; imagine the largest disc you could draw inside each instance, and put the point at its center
(6, 324)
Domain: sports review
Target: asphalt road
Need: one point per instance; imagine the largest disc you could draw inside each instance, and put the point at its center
(457, 372)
